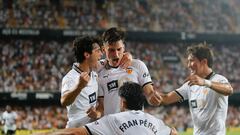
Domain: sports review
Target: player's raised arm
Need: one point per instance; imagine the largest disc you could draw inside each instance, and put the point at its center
(70, 95)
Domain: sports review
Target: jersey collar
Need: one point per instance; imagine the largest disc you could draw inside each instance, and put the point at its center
(210, 75)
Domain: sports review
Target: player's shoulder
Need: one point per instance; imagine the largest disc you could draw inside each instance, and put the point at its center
(70, 75)
(137, 63)
(218, 77)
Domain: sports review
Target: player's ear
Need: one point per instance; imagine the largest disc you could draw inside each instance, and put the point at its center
(204, 61)
(123, 104)
(86, 55)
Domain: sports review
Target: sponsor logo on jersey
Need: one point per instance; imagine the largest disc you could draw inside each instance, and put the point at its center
(112, 85)
(193, 103)
(106, 76)
(146, 75)
(92, 98)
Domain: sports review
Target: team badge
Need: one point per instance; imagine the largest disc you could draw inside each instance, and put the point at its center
(129, 70)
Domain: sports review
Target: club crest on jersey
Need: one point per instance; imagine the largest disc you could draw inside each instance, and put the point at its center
(92, 98)
(129, 70)
(112, 85)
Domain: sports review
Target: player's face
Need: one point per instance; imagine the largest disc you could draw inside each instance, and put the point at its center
(95, 56)
(195, 65)
(114, 52)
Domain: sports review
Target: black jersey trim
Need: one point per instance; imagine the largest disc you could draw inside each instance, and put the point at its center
(90, 133)
(179, 95)
(76, 68)
(147, 83)
(210, 75)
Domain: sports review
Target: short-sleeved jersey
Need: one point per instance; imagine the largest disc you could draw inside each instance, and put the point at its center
(128, 123)
(110, 79)
(9, 120)
(208, 108)
(87, 98)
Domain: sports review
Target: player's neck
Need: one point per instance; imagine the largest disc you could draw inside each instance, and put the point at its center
(84, 67)
(207, 73)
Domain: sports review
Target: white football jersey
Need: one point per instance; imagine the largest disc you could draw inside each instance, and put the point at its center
(87, 98)
(10, 120)
(110, 79)
(128, 123)
(208, 108)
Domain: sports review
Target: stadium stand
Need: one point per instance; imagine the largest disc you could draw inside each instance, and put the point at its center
(31, 65)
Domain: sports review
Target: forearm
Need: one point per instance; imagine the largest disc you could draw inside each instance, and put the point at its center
(170, 98)
(69, 131)
(100, 106)
(222, 88)
(70, 96)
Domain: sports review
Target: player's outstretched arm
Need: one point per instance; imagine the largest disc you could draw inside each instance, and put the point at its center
(171, 97)
(152, 96)
(67, 131)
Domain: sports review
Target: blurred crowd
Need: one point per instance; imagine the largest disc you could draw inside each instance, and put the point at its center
(33, 65)
(56, 117)
(39, 117)
(209, 16)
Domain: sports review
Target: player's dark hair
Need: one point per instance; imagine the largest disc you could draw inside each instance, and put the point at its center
(113, 35)
(83, 44)
(133, 94)
(201, 51)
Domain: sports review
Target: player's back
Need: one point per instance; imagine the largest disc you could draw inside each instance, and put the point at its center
(137, 123)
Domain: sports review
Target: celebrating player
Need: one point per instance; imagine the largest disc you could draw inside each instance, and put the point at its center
(206, 91)
(112, 76)
(133, 121)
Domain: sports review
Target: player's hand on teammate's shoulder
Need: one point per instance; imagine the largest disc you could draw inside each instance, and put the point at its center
(173, 131)
(93, 113)
(126, 60)
(194, 80)
(84, 79)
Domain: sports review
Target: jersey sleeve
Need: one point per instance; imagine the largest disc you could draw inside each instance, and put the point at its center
(183, 91)
(164, 129)
(143, 73)
(99, 127)
(68, 83)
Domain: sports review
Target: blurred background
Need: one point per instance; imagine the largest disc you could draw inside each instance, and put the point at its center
(36, 50)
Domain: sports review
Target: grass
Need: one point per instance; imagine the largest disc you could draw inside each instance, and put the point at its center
(230, 131)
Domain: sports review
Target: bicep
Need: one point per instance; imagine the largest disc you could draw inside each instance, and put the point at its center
(148, 88)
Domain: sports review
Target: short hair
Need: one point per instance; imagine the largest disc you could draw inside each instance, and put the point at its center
(113, 35)
(201, 51)
(84, 44)
(133, 94)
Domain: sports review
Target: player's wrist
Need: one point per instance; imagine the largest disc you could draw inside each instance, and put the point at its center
(207, 83)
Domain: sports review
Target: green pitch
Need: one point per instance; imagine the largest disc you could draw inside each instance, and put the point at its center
(230, 131)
